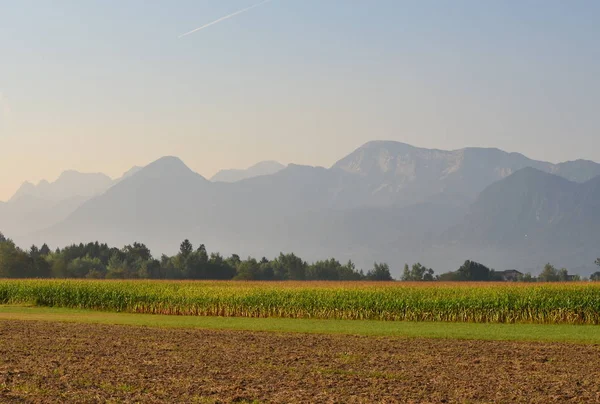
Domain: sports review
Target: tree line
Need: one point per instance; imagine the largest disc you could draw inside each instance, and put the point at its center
(99, 261)
(474, 271)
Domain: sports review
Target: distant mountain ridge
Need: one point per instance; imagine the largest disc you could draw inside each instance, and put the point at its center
(400, 173)
(35, 207)
(385, 201)
(69, 184)
(258, 169)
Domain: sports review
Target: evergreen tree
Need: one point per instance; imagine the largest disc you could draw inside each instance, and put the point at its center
(186, 248)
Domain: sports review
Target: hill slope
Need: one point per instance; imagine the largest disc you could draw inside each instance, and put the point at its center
(531, 218)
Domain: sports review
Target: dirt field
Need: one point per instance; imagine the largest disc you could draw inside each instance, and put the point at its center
(59, 362)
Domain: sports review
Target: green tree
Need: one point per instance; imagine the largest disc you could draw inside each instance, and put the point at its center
(328, 270)
(218, 268)
(14, 262)
(185, 264)
(248, 270)
(168, 268)
(549, 274)
(595, 276)
(234, 260)
(380, 272)
(58, 264)
(186, 248)
(150, 269)
(417, 273)
(473, 271)
(526, 277)
(195, 265)
(267, 270)
(563, 275)
(117, 268)
(45, 250)
(202, 254)
(449, 277)
(137, 252)
(42, 266)
(81, 267)
(348, 272)
(34, 251)
(406, 275)
(290, 267)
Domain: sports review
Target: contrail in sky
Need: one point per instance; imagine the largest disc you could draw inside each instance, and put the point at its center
(225, 18)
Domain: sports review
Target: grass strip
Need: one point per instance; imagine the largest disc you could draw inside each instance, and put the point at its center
(587, 334)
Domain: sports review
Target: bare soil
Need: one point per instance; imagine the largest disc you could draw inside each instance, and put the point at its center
(43, 362)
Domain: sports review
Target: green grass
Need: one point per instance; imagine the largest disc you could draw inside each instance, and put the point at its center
(588, 334)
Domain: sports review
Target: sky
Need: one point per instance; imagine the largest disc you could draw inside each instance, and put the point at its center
(103, 85)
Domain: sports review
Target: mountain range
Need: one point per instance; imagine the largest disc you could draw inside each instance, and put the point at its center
(386, 201)
(69, 184)
(258, 169)
(36, 207)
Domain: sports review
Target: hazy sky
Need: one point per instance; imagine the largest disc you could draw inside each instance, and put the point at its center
(104, 85)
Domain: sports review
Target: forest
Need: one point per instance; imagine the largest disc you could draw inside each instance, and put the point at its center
(99, 261)
(96, 260)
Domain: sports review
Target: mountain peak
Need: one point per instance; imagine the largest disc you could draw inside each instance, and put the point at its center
(167, 167)
(378, 146)
(69, 173)
(27, 186)
(168, 160)
(170, 163)
(385, 144)
(385, 157)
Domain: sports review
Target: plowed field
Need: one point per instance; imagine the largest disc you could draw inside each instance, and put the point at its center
(60, 362)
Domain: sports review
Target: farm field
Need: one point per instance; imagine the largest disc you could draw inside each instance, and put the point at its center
(43, 361)
(573, 303)
(213, 342)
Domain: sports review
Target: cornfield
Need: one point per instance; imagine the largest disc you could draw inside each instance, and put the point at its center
(572, 303)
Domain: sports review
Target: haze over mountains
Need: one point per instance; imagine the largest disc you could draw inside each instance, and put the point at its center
(36, 207)
(532, 212)
(258, 169)
(409, 174)
(386, 201)
(70, 184)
